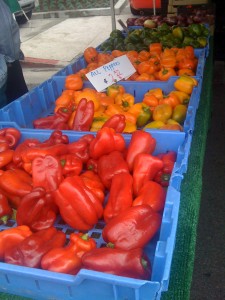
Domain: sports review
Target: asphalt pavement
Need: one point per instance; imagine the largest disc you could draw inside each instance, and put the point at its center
(52, 41)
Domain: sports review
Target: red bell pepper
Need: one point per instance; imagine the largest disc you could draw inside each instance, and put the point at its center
(141, 142)
(145, 168)
(120, 196)
(47, 172)
(71, 164)
(92, 164)
(128, 263)
(80, 148)
(15, 184)
(84, 115)
(106, 141)
(58, 121)
(132, 228)
(6, 157)
(117, 122)
(22, 148)
(30, 251)
(11, 237)
(168, 159)
(78, 206)
(68, 259)
(55, 144)
(152, 194)
(110, 165)
(56, 137)
(4, 146)
(11, 136)
(93, 182)
(5, 209)
(37, 210)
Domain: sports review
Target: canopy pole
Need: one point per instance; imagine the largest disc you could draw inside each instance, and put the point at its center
(154, 7)
(113, 14)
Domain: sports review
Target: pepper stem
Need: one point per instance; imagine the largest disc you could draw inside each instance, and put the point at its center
(85, 237)
(110, 245)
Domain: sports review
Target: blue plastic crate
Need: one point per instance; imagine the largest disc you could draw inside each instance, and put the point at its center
(42, 284)
(40, 101)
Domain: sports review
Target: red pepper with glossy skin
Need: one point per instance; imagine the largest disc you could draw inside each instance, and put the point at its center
(11, 136)
(141, 142)
(145, 168)
(80, 148)
(58, 121)
(117, 122)
(132, 228)
(68, 259)
(106, 141)
(92, 165)
(37, 210)
(84, 115)
(71, 164)
(168, 159)
(133, 263)
(56, 137)
(6, 157)
(11, 237)
(15, 184)
(4, 146)
(5, 209)
(78, 206)
(152, 194)
(93, 182)
(110, 165)
(22, 148)
(47, 172)
(120, 196)
(30, 251)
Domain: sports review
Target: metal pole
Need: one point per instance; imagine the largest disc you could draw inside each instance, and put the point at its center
(113, 14)
(154, 7)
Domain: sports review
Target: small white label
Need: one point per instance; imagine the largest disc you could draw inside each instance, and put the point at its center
(118, 69)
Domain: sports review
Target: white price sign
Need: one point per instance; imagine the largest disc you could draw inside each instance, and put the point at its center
(118, 69)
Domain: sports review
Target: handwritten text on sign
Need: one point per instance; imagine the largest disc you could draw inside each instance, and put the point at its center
(118, 69)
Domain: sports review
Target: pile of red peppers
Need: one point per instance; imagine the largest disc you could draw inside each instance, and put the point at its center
(97, 177)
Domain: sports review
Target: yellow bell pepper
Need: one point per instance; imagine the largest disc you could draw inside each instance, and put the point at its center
(185, 84)
(154, 125)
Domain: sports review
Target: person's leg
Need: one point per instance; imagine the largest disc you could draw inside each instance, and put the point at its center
(16, 85)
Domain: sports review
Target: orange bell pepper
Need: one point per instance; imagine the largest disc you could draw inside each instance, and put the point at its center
(165, 73)
(162, 112)
(125, 100)
(171, 99)
(73, 82)
(183, 97)
(155, 48)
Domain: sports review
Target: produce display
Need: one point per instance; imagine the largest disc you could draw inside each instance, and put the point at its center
(138, 39)
(155, 63)
(95, 178)
(195, 16)
(91, 180)
(88, 110)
